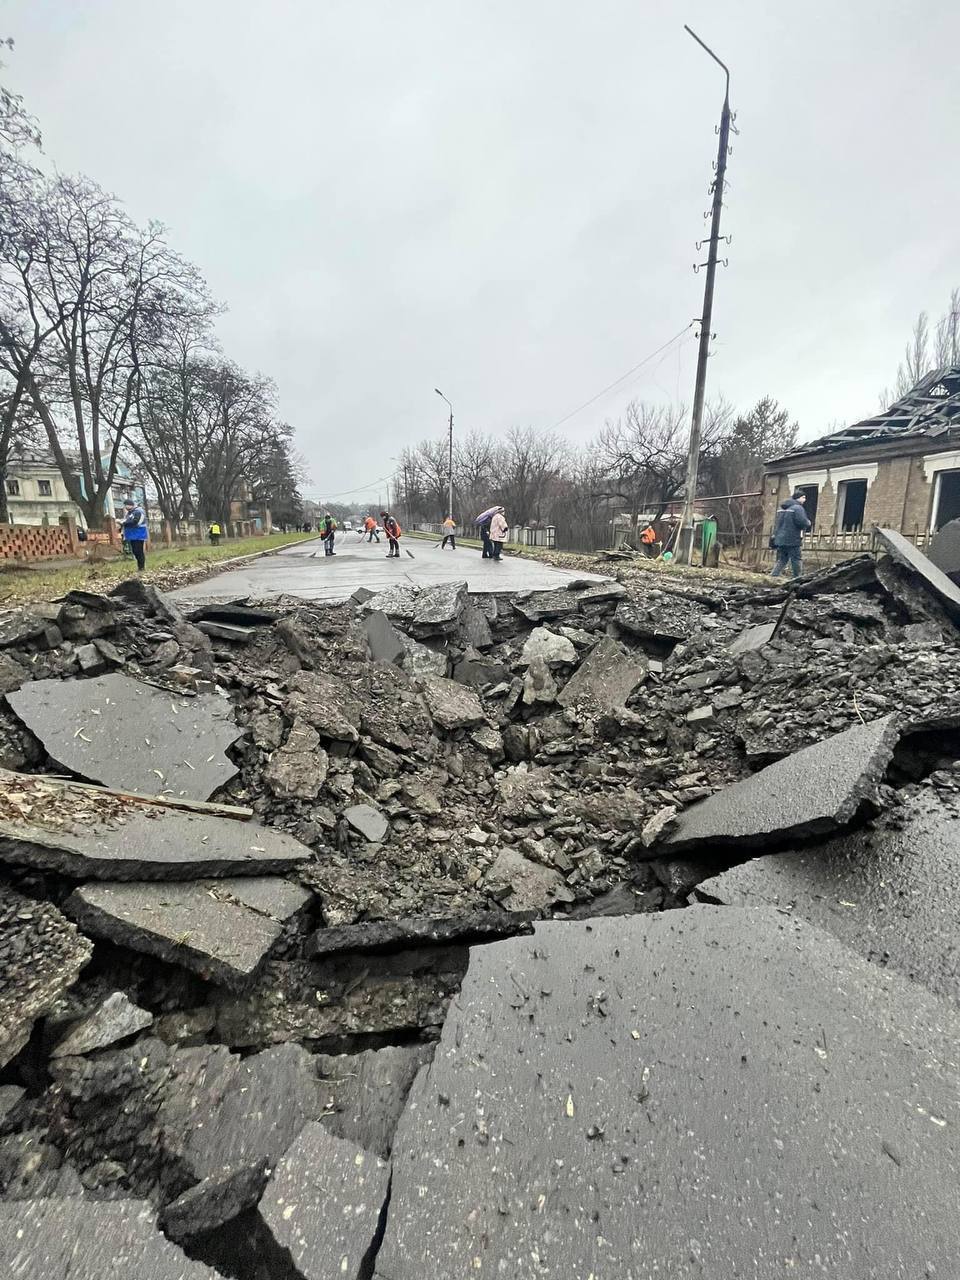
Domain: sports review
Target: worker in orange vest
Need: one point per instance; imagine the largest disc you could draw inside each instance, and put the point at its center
(648, 540)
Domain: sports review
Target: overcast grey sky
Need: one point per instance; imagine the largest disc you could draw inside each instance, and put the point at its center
(501, 197)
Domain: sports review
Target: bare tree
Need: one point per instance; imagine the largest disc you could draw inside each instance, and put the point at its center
(737, 466)
(525, 467)
(645, 451)
(239, 430)
(101, 292)
(174, 405)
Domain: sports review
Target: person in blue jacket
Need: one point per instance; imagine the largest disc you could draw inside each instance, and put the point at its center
(789, 526)
(133, 530)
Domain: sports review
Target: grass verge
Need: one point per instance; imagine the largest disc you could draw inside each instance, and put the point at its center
(167, 567)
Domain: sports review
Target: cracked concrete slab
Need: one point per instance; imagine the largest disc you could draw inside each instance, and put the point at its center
(78, 1239)
(323, 1204)
(646, 1063)
(813, 792)
(131, 735)
(888, 891)
(221, 929)
(41, 955)
(85, 834)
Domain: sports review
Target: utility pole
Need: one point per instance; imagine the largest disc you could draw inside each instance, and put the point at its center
(449, 456)
(685, 543)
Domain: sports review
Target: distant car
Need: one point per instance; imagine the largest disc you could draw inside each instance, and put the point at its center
(348, 526)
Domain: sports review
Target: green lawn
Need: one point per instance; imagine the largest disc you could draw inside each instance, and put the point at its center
(167, 567)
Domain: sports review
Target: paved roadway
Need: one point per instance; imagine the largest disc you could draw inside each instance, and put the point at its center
(302, 570)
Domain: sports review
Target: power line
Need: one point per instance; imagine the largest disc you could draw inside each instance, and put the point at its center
(344, 493)
(623, 377)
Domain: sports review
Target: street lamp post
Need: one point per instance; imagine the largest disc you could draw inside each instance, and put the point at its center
(449, 455)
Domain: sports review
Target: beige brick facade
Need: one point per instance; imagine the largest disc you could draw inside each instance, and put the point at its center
(900, 486)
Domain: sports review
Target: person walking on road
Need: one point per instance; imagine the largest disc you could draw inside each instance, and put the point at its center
(483, 524)
(328, 532)
(133, 529)
(498, 532)
(449, 533)
(392, 529)
(371, 530)
(788, 529)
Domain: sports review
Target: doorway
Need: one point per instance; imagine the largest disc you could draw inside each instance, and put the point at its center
(851, 503)
(946, 503)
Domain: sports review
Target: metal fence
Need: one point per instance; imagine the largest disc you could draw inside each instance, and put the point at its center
(827, 546)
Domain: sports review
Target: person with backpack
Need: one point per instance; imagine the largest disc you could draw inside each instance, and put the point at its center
(391, 528)
(328, 532)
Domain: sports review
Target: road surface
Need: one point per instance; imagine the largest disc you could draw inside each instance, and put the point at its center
(303, 570)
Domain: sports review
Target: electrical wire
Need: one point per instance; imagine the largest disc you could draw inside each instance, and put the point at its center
(623, 377)
(345, 493)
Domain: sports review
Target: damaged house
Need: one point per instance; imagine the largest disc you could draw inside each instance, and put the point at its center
(899, 469)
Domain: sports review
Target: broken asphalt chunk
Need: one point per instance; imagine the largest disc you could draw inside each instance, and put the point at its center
(655, 1025)
(383, 639)
(452, 705)
(547, 645)
(115, 1018)
(888, 891)
(131, 735)
(322, 1206)
(363, 1093)
(221, 929)
(605, 679)
(214, 1201)
(78, 1239)
(813, 792)
(523, 886)
(371, 823)
(84, 833)
(934, 580)
(41, 955)
(394, 935)
(751, 639)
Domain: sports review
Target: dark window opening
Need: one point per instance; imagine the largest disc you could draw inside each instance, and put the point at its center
(948, 498)
(45, 488)
(851, 502)
(13, 488)
(811, 492)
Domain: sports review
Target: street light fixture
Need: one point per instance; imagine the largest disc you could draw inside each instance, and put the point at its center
(449, 456)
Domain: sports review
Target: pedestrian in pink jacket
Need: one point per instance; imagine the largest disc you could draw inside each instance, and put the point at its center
(498, 532)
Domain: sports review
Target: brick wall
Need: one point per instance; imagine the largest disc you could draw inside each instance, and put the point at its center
(899, 497)
(37, 542)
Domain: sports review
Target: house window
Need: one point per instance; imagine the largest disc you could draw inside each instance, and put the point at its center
(946, 502)
(811, 492)
(45, 488)
(13, 488)
(851, 502)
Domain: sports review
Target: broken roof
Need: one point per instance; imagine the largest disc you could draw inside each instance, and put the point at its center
(931, 408)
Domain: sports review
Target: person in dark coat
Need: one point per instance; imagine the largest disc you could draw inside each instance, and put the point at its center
(789, 526)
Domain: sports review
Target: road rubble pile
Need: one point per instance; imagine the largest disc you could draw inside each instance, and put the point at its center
(312, 918)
